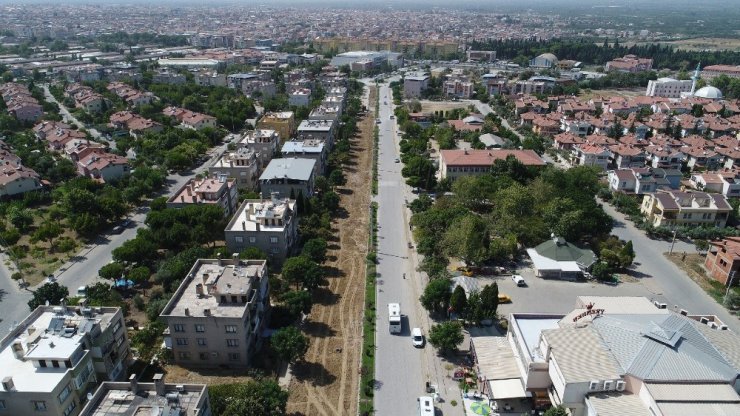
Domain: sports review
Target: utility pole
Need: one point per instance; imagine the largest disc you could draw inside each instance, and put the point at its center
(729, 286)
(673, 242)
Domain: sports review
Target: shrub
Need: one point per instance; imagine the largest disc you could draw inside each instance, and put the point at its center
(139, 303)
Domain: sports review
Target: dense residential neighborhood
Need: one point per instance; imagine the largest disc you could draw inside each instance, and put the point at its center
(272, 209)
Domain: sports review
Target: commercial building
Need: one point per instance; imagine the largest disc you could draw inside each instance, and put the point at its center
(289, 178)
(668, 87)
(271, 225)
(217, 190)
(613, 356)
(481, 56)
(457, 163)
(242, 165)
(155, 398)
(57, 355)
(545, 60)
(370, 59)
(674, 208)
(559, 259)
(216, 316)
(282, 122)
(414, 85)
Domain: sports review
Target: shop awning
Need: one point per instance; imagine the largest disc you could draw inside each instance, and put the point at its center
(511, 388)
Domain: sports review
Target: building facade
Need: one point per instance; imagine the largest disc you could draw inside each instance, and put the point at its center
(289, 178)
(674, 208)
(216, 316)
(271, 225)
(242, 165)
(217, 190)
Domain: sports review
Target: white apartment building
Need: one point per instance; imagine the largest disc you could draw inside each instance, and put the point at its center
(265, 143)
(271, 225)
(57, 355)
(216, 315)
(300, 97)
(668, 87)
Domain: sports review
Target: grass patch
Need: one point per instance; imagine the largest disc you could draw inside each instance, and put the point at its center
(693, 265)
(367, 376)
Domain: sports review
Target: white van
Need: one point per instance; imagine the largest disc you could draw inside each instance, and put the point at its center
(518, 280)
(426, 406)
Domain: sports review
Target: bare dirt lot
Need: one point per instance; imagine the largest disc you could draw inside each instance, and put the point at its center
(432, 106)
(327, 382)
(701, 44)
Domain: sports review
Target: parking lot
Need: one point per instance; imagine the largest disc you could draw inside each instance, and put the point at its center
(554, 296)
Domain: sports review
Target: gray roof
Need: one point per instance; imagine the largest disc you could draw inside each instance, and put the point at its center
(300, 146)
(560, 250)
(663, 348)
(581, 355)
(291, 168)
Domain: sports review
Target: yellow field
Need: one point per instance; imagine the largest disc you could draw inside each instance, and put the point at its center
(700, 44)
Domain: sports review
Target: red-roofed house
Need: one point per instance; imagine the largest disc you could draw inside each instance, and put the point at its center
(675, 208)
(457, 163)
(590, 155)
(102, 166)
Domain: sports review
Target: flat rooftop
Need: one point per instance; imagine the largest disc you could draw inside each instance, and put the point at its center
(225, 279)
(289, 168)
(116, 399)
(531, 327)
(42, 335)
(251, 210)
(316, 125)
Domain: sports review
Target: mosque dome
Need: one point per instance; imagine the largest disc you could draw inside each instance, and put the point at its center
(709, 92)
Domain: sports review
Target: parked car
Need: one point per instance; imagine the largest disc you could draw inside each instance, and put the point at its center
(518, 280)
(397, 160)
(118, 229)
(417, 338)
(504, 298)
(82, 291)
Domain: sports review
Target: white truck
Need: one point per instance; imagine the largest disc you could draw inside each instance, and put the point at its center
(394, 318)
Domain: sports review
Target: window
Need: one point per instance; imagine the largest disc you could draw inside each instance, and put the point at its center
(203, 356)
(39, 405)
(200, 328)
(42, 363)
(70, 408)
(2, 404)
(230, 329)
(55, 363)
(274, 250)
(184, 355)
(179, 328)
(64, 394)
(273, 240)
(233, 356)
(182, 341)
(202, 342)
(239, 239)
(252, 240)
(232, 342)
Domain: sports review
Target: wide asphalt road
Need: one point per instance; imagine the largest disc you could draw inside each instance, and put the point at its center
(400, 369)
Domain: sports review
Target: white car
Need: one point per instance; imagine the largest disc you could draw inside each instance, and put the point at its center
(417, 338)
(518, 280)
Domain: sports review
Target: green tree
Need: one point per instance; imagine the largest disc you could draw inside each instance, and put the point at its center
(138, 250)
(315, 249)
(252, 253)
(474, 312)
(459, 301)
(112, 271)
(259, 398)
(701, 245)
(556, 411)
(54, 293)
(139, 274)
(297, 301)
(289, 344)
(302, 272)
(102, 294)
(21, 218)
(446, 336)
(436, 296)
(489, 301)
(419, 172)
(47, 232)
(601, 271)
(467, 238)
(626, 255)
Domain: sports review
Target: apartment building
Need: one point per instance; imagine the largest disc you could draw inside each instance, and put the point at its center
(217, 190)
(282, 122)
(590, 155)
(242, 165)
(300, 97)
(216, 316)
(668, 87)
(308, 149)
(711, 71)
(324, 130)
(458, 88)
(288, 177)
(480, 56)
(726, 183)
(495, 84)
(674, 208)
(271, 225)
(457, 163)
(139, 399)
(57, 355)
(325, 112)
(264, 143)
(20, 103)
(414, 85)
(613, 356)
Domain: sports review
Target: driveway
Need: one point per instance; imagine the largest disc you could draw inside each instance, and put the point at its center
(663, 278)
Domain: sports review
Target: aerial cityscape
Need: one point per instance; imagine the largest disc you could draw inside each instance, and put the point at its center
(369, 208)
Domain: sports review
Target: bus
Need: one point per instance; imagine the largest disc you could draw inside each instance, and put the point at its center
(394, 318)
(426, 406)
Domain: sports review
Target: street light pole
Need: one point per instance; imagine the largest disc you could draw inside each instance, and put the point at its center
(673, 242)
(729, 285)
